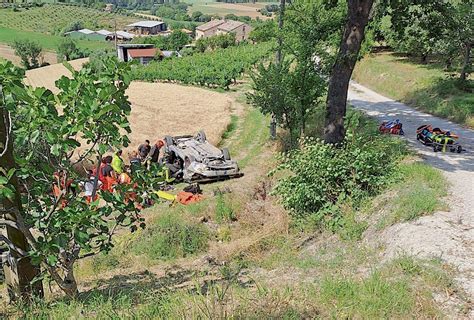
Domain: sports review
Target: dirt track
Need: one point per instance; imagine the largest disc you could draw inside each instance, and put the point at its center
(159, 109)
(445, 235)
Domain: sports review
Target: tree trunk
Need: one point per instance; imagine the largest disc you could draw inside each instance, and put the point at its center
(281, 20)
(19, 272)
(466, 68)
(69, 285)
(424, 58)
(354, 32)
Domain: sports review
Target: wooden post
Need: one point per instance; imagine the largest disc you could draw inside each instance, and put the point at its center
(19, 272)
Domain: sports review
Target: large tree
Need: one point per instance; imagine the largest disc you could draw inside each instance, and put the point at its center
(30, 52)
(18, 269)
(358, 13)
(61, 225)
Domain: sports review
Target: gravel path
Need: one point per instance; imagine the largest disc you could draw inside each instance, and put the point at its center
(445, 235)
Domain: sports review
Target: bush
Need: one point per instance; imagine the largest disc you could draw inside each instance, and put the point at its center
(172, 237)
(325, 177)
(224, 210)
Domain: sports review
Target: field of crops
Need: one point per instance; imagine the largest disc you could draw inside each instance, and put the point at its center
(222, 8)
(52, 18)
(218, 68)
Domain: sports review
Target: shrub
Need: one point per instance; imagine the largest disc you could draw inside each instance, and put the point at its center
(224, 210)
(172, 237)
(323, 177)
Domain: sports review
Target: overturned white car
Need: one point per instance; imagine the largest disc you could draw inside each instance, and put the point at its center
(193, 158)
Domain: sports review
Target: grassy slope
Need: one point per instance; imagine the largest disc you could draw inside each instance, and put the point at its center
(426, 87)
(52, 18)
(49, 42)
(155, 273)
(42, 24)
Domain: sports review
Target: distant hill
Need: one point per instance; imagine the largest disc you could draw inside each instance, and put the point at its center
(53, 18)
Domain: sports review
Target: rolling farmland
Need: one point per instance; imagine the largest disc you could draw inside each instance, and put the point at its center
(52, 18)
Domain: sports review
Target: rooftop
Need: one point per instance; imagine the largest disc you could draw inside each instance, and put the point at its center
(169, 54)
(209, 25)
(143, 53)
(104, 32)
(125, 34)
(230, 25)
(86, 31)
(135, 45)
(145, 24)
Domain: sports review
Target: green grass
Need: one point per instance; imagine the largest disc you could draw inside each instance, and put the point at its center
(48, 42)
(252, 137)
(426, 87)
(171, 236)
(419, 193)
(52, 18)
(231, 127)
(224, 210)
(400, 289)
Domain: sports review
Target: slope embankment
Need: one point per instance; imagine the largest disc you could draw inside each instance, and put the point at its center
(445, 235)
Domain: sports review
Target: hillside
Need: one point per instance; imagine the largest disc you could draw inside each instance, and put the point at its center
(51, 18)
(222, 8)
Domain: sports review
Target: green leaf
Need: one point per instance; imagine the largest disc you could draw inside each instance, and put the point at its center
(52, 260)
(3, 180)
(55, 149)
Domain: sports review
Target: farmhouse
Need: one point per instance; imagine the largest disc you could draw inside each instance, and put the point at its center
(217, 27)
(144, 53)
(240, 29)
(147, 27)
(208, 29)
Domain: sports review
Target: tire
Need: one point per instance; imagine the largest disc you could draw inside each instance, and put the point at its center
(459, 149)
(201, 136)
(169, 141)
(188, 160)
(226, 153)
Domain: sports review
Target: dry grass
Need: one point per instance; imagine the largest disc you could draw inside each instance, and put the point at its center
(8, 53)
(47, 76)
(241, 9)
(159, 109)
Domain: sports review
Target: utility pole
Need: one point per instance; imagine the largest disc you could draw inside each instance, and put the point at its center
(19, 272)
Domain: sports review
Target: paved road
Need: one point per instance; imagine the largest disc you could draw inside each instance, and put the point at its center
(448, 235)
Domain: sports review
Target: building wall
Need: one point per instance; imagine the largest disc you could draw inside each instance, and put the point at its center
(241, 33)
(206, 34)
(150, 31)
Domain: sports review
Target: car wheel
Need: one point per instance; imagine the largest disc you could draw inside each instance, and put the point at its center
(188, 160)
(169, 141)
(201, 136)
(226, 153)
